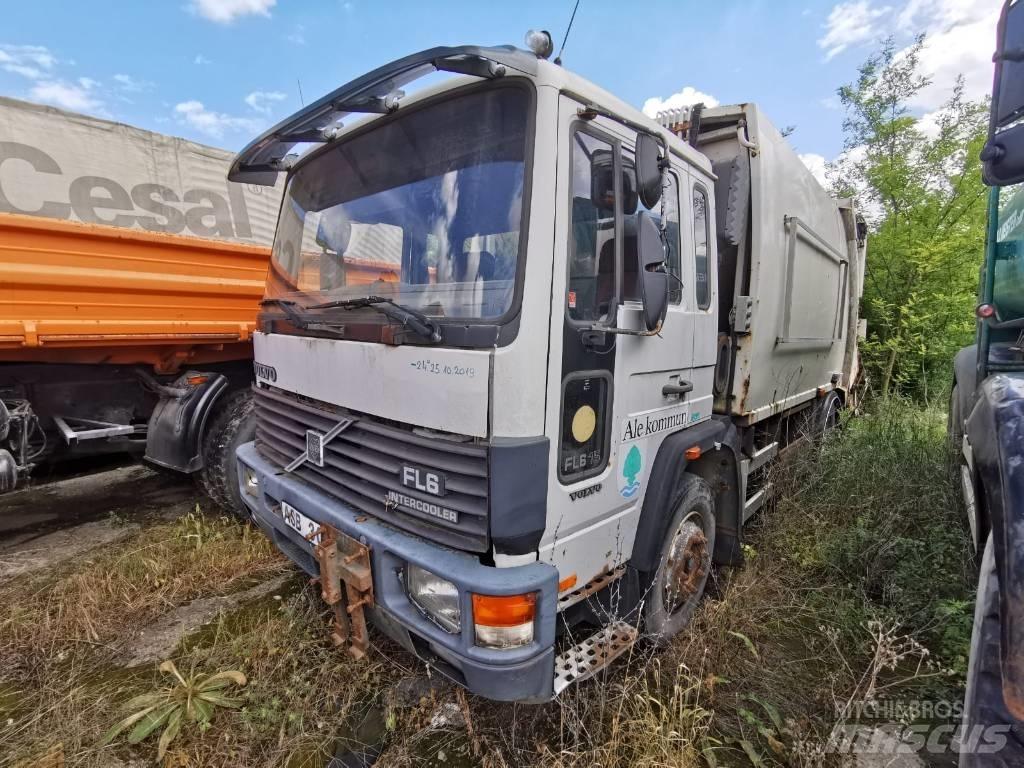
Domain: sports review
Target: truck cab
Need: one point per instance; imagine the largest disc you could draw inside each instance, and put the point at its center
(986, 412)
(494, 375)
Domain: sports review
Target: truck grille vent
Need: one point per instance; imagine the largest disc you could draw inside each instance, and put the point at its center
(363, 463)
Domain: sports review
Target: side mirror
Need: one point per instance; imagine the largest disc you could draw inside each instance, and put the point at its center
(648, 170)
(1003, 156)
(650, 251)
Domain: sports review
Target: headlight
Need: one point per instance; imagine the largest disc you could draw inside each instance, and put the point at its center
(250, 482)
(438, 598)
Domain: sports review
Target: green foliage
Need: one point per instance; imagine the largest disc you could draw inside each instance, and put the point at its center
(191, 699)
(895, 534)
(918, 181)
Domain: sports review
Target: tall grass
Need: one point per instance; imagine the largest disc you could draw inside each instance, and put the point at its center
(857, 582)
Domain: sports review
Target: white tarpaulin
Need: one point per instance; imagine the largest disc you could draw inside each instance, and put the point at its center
(68, 166)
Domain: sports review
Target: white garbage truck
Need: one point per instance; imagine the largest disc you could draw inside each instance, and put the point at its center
(525, 354)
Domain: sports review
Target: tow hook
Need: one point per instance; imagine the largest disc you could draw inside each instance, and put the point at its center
(346, 585)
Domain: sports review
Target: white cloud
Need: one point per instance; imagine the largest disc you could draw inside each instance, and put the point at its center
(922, 15)
(297, 36)
(37, 64)
(79, 97)
(959, 40)
(684, 98)
(211, 123)
(849, 24)
(31, 61)
(816, 165)
(200, 59)
(226, 11)
(262, 101)
(130, 84)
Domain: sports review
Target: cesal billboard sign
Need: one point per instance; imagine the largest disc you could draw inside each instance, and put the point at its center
(66, 166)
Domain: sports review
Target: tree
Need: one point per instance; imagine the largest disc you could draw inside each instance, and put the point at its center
(918, 181)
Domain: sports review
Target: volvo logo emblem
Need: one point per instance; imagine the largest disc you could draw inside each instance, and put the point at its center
(315, 443)
(265, 372)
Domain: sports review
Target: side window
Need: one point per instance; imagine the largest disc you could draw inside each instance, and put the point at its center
(631, 207)
(592, 237)
(700, 242)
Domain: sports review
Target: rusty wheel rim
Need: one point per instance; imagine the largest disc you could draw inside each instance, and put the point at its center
(687, 563)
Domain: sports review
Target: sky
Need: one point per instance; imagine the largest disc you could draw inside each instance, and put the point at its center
(221, 71)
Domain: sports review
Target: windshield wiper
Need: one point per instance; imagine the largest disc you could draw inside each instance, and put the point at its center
(409, 318)
(299, 321)
(289, 309)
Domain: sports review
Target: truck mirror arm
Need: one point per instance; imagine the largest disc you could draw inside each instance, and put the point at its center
(592, 332)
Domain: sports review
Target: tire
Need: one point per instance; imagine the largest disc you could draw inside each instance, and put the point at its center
(955, 422)
(818, 420)
(674, 589)
(983, 701)
(826, 416)
(231, 424)
(957, 464)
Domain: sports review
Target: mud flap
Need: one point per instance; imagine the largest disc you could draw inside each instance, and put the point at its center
(174, 438)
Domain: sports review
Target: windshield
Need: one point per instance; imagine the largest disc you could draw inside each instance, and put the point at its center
(1008, 270)
(424, 210)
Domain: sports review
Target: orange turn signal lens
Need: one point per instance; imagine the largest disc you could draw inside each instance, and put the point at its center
(692, 453)
(195, 381)
(567, 583)
(504, 611)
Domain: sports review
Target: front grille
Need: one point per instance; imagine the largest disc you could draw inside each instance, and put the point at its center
(365, 461)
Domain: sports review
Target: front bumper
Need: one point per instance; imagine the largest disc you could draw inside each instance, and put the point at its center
(525, 673)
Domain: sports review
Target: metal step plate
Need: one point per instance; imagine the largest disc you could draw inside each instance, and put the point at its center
(593, 654)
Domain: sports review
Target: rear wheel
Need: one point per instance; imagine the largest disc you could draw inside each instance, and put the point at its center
(827, 414)
(955, 425)
(983, 702)
(231, 425)
(675, 588)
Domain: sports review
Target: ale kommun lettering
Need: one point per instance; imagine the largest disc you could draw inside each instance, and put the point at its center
(649, 424)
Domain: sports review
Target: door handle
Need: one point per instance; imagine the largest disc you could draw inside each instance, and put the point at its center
(677, 389)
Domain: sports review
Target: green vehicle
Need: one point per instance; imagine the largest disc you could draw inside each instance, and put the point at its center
(986, 425)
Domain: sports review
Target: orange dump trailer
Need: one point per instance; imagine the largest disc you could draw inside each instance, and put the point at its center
(82, 293)
(130, 276)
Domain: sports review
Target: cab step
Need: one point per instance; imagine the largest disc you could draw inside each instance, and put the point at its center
(593, 654)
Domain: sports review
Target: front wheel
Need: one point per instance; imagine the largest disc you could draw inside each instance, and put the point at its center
(675, 588)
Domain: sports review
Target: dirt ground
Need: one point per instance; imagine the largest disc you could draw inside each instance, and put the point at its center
(55, 521)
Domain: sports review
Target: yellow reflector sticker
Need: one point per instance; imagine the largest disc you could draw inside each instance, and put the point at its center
(584, 421)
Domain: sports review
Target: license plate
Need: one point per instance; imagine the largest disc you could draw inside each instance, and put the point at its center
(300, 523)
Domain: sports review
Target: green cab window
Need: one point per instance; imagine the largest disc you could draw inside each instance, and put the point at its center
(1008, 269)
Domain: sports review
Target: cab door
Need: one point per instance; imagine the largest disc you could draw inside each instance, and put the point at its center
(654, 375)
(611, 397)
